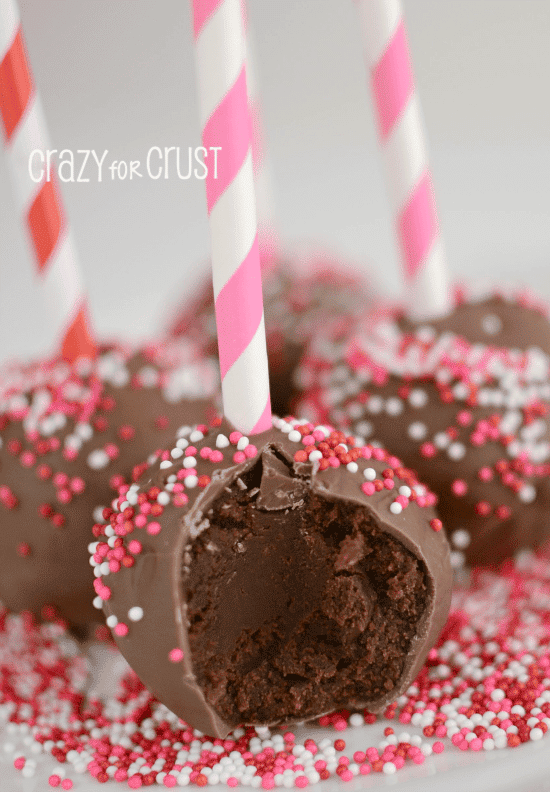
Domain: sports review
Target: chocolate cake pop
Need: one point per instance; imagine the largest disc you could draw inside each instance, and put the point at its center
(273, 580)
(464, 401)
(69, 436)
(299, 296)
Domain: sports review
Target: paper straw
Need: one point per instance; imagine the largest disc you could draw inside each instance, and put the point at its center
(225, 122)
(39, 204)
(405, 157)
(263, 182)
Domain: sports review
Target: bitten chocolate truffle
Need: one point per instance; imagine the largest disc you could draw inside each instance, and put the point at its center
(464, 401)
(273, 579)
(300, 295)
(69, 437)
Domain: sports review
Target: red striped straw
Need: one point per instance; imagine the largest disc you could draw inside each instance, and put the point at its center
(406, 159)
(39, 203)
(225, 120)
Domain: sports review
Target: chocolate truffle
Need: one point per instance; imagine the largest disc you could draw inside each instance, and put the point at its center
(300, 295)
(69, 436)
(464, 402)
(276, 579)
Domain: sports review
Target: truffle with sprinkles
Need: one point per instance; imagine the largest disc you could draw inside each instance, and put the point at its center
(464, 401)
(274, 581)
(300, 295)
(69, 437)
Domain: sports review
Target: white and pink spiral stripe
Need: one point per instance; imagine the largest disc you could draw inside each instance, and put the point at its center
(226, 123)
(39, 203)
(405, 157)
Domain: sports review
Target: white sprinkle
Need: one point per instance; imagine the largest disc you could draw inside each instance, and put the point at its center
(456, 451)
(222, 441)
(98, 459)
(176, 453)
(164, 498)
(418, 398)
(389, 768)
(315, 456)
(364, 428)
(183, 431)
(111, 621)
(353, 467)
(190, 481)
(527, 493)
(182, 443)
(97, 602)
(369, 474)
(441, 440)
(375, 404)
(536, 734)
(242, 444)
(195, 436)
(460, 538)
(165, 464)
(394, 406)
(492, 324)
(294, 436)
(396, 508)
(84, 431)
(417, 430)
(189, 462)
(135, 613)
(405, 491)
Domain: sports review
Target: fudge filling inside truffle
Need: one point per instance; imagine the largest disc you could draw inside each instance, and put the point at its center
(297, 604)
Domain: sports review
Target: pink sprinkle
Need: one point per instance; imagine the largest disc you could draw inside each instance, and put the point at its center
(239, 457)
(78, 485)
(389, 483)
(459, 487)
(368, 488)
(302, 781)
(175, 655)
(234, 437)
(232, 781)
(67, 783)
(121, 629)
(438, 746)
(135, 781)
(250, 451)
(135, 547)
(216, 456)
(169, 781)
(205, 452)
(153, 528)
(54, 780)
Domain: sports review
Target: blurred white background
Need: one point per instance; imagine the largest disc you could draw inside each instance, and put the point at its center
(120, 76)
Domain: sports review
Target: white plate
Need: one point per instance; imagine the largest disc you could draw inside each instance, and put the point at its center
(522, 769)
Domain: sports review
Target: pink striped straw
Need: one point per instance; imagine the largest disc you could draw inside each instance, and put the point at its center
(225, 120)
(39, 203)
(260, 160)
(406, 159)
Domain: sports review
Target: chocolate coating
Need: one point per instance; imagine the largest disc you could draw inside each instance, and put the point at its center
(299, 297)
(68, 438)
(468, 412)
(274, 582)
